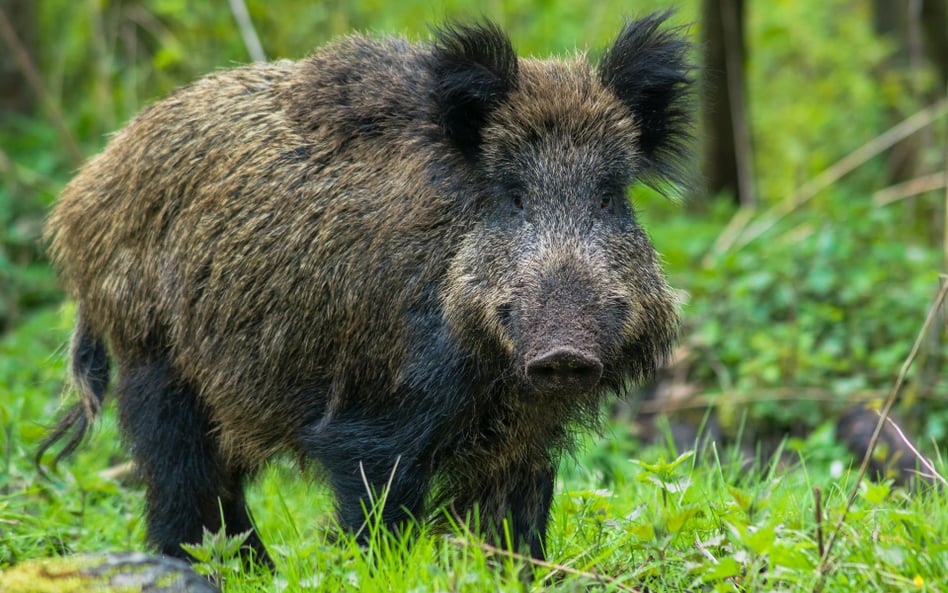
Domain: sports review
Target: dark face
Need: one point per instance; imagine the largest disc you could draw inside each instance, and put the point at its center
(557, 274)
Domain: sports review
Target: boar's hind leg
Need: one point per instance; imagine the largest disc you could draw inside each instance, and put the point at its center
(189, 487)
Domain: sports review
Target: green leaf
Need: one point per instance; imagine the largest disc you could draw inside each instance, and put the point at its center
(725, 568)
(677, 521)
(875, 493)
(663, 470)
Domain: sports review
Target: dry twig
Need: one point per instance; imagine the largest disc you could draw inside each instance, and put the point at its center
(704, 551)
(818, 503)
(945, 173)
(247, 31)
(883, 416)
(495, 551)
(924, 461)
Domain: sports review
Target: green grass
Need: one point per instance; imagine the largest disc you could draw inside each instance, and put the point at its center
(633, 514)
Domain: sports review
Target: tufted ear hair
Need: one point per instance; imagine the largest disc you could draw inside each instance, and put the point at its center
(648, 70)
(474, 68)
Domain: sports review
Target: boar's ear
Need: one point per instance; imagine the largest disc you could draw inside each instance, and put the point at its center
(648, 70)
(474, 67)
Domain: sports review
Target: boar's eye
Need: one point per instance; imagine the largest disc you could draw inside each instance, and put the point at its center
(517, 202)
(605, 201)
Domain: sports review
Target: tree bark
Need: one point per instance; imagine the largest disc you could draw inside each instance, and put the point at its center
(918, 30)
(15, 95)
(935, 38)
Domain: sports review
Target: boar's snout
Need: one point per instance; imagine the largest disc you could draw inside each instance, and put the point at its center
(564, 371)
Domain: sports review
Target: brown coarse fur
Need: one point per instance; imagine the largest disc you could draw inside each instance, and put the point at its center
(411, 263)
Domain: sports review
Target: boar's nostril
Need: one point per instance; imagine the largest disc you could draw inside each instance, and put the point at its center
(565, 361)
(562, 371)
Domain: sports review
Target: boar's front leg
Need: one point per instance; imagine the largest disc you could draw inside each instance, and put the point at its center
(530, 505)
(520, 497)
(371, 459)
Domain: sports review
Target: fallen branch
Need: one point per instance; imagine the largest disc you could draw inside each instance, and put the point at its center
(850, 162)
(738, 398)
(910, 188)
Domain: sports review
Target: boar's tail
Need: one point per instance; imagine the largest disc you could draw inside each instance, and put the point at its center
(89, 370)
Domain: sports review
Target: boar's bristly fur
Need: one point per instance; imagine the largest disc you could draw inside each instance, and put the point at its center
(414, 265)
(644, 69)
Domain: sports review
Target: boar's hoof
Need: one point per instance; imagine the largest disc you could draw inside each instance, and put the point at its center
(563, 371)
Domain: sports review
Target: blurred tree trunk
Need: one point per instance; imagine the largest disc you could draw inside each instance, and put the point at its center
(935, 37)
(15, 94)
(918, 30)
(727, 156)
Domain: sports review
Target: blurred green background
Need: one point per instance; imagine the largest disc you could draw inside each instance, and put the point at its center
(802, 298)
